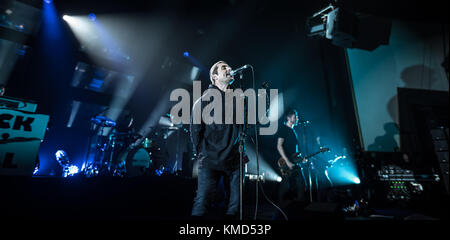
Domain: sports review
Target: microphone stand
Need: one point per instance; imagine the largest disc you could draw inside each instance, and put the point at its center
(242, 135)
(241, 163)
(309, 168)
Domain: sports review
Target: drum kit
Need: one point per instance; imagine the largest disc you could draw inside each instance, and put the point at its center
(123, 154)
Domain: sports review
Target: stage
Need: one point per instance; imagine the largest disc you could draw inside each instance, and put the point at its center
(165, 198)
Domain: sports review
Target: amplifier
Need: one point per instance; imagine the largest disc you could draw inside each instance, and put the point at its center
(395, 173)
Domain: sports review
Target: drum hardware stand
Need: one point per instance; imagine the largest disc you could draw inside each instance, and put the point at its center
(93, 129)
(98, 123)
(88, 152)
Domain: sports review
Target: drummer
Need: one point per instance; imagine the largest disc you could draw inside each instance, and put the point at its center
(125, 123)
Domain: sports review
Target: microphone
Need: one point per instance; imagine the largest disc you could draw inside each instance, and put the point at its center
(236, 71)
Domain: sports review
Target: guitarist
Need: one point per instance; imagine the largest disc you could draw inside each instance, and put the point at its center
(292, 187)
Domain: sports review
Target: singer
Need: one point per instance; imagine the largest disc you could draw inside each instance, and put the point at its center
(216, 147)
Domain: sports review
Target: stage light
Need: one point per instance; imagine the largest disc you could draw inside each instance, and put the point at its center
(194, 73)
(63, 159)
(255, 177)
(60, 154)
(279, 179)
(73, 170)
(265, 169)
(343, 175)
(317, 24)
(198, 67)
(66, 18)
(349, 29)
(73, 113)
(48, 1)
(92, 17)
(165, 121)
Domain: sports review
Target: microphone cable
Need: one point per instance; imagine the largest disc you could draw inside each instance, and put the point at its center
(256, 151)
(264, 194)
(256, 142)
(258, 182)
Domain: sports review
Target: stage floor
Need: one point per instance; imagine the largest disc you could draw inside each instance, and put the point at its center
(151, 198)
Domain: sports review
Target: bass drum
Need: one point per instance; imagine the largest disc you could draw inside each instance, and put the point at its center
(136, 162)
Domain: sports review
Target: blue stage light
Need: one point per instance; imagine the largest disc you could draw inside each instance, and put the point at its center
(21, 52)
(48, 1)
(96, 83)
(186, 54)
(343, 174)
(92, 17)
(73, 170)
(60, 154)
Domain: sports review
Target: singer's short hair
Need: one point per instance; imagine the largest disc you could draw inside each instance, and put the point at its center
(213, 70)
(290, 113)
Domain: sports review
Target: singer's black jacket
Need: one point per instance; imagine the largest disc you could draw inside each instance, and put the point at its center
(216, 145)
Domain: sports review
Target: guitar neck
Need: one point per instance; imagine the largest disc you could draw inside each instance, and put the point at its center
(314, 154)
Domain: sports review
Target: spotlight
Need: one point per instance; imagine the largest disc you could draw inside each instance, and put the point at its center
(63, 159)
(259, 177)
(66, 18)
(61, 156)
(73, 170)
(194, 73)
(165, 121)
(317, 24)
(92, 17)
(279, 179)
(349, 29)
(186, 54)
(48, 1)
(356, 180)
(73, 114)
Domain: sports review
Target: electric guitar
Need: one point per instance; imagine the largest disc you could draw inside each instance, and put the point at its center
(298, 160)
